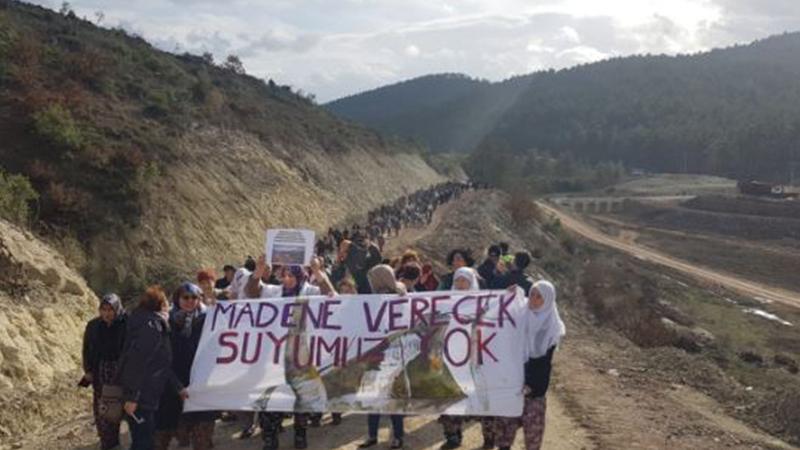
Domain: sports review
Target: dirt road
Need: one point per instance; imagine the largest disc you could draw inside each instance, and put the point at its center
(743, 286)
(604, 395)
(422, 432)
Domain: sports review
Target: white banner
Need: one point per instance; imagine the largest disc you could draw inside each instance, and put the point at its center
(457, 353)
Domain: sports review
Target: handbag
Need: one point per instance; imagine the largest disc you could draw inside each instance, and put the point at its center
(110, 404)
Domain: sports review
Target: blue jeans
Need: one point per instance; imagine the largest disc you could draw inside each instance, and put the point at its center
(374, 420)
(142, 434)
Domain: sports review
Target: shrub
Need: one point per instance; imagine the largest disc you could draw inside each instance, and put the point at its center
(16, 194)
(65, 199)
(201, 89)
(146, 173)
(159, 105)
(553, 227)
(523, 211)
(6, 40)
(55, 123)
(89, 67)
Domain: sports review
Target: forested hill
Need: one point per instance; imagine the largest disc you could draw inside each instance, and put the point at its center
(88, 112)
(447, 112)
(733, 111)
(123, 152)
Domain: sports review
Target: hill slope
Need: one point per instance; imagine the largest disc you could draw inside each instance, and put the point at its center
(447, 112)
(172, 161)
(732, 111)
(44, 307)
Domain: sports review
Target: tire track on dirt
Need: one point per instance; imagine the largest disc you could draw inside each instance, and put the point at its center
(746, 287)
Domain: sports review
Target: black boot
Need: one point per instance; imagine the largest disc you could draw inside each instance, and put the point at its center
(488, 443)
(270, 440)
(452, 441)
(370, 442)
(300, 440)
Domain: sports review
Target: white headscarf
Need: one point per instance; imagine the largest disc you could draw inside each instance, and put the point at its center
(544, 327)
(470, 275)
(239, 282)
(381, 281)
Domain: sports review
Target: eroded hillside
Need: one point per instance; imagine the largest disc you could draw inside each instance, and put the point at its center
(44, 307)
(226, 188)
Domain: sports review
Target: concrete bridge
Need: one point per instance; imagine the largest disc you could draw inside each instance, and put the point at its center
(605, 205)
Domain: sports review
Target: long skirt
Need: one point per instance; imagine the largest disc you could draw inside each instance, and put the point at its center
(108, 432)
(454, 424)
(532, 422)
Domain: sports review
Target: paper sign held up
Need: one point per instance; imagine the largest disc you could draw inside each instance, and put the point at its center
(290, 247)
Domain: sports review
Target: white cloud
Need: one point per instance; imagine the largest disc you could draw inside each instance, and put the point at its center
(582, 54)
(338, 47)
(570, 34)
(412, 50)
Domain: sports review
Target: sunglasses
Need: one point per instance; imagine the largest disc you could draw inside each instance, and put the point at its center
(189, 297)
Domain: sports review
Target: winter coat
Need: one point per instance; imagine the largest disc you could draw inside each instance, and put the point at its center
(102, 342)
(146, 363)
(184, 348)
(511, 278)
(487, 271)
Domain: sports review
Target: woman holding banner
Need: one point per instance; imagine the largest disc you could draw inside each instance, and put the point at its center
(382, 281)
(544, 330)
(465, 279)
(186, 325)
(294, 283)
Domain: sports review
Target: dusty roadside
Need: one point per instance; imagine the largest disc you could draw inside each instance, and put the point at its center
(607, 393)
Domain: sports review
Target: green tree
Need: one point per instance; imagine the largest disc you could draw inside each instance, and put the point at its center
(16, 194)
(234, 64)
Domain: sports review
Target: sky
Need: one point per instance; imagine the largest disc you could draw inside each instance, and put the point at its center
(334, 48)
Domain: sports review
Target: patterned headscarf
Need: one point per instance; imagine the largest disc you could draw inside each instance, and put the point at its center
(183, 318)
(114, 302)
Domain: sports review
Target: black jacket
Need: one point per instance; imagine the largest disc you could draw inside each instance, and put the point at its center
(446, 282)
(360, 259)
(486, 271)
(222, 283)
(537, 373)
(511, 278)
(102, 342)
(146, 363)
(338, 272)
(184, 349)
